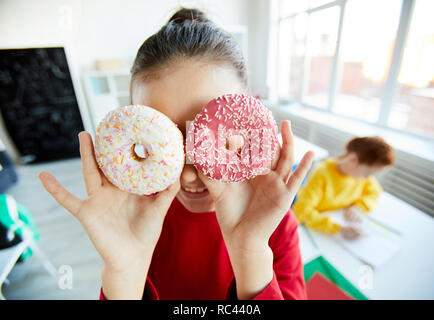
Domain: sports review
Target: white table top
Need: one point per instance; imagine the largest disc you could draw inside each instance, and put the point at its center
(302, 146)
(407, 275)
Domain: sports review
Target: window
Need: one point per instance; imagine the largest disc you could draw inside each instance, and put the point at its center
(288, 7)
(321, 45)
(369, 60)
(413, 110)
(365, 56)
(291, 57)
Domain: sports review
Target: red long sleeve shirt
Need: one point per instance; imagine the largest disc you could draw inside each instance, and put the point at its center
(191, 262)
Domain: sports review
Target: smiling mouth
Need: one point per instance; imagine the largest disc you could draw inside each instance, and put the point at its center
(194, 193)
(194, 190)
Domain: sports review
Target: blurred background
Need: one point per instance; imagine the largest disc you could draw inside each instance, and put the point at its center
(336, 69)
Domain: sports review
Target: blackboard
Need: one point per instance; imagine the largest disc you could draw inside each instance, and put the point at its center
(38, 103)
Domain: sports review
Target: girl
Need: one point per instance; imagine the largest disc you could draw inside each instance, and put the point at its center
(198, 239)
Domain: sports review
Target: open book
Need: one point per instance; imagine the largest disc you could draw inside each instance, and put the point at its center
(375, 247)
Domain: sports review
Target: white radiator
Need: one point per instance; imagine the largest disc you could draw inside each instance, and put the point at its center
(412, 180)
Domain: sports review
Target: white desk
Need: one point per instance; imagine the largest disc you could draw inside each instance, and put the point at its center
(407, 275)
(302, 146)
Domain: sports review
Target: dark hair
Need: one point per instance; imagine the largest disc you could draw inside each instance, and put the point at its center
(371, 151)
(188, 33)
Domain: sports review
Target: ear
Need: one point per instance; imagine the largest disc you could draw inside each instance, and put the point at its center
(353, 157)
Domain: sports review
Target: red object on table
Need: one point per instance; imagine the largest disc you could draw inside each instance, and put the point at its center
(320, 288)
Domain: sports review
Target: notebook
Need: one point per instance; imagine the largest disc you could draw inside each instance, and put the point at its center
(375, 247)
(320, 288)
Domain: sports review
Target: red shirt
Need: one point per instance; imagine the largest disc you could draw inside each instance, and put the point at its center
(191, 261)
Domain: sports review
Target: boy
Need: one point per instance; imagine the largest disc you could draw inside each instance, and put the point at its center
(346, 182)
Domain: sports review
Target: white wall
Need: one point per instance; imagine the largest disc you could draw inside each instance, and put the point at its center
(94, 29)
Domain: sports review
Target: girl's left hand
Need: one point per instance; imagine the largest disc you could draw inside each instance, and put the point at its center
(248, 212)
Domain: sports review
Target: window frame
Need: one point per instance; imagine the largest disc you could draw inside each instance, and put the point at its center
(390, 91)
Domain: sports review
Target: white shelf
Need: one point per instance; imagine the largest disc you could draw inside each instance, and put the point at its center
(105, 91)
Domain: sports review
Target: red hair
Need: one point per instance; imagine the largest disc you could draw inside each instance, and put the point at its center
(371, 151)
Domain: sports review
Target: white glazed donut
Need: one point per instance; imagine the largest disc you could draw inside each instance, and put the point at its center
(119, 136)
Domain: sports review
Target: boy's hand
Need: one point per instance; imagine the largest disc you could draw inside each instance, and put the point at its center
(351, 232)
(123, 227)
(353, 214)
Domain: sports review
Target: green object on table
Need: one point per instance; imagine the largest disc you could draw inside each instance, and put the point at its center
(322, 266)
(12, 212)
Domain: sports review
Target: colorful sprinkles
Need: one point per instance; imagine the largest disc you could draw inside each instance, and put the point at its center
(120, 131)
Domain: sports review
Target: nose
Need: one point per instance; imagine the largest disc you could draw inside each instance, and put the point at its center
(189, 174)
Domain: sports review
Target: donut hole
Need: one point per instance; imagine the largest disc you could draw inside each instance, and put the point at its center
(139, 152)
(235, 143)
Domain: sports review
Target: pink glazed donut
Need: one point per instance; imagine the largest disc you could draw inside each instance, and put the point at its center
(232, 117)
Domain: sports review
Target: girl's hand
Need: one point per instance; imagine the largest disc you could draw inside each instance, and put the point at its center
(248, 212)
(123, 227)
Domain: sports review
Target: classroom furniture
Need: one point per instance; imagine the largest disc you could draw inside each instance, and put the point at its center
(8, 258)
(105, 91)
(18, 229)
(62, 238)
(301, 146)
(407, 275)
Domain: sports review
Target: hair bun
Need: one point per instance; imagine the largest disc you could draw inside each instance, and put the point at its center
(185, 14)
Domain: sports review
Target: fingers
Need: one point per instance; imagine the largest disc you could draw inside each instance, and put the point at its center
(276, 157)
(91, 173)
(352, 217)
(355, 217)
(296, 178)
(286, 158)
(347, 214)
(169, 193)
(352, 232)
(62, 196)
(352, 214)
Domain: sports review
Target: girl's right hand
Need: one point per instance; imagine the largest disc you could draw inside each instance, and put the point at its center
(123, 227)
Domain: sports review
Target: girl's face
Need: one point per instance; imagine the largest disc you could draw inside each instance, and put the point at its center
(181, 93)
